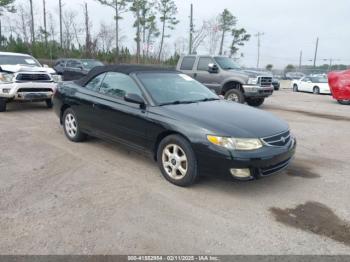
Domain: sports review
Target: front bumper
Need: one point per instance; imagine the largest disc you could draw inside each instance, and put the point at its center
(257, 91)
(266, 161)
(28, 91)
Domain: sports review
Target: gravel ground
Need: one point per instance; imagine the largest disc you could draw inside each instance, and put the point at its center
(57, 197)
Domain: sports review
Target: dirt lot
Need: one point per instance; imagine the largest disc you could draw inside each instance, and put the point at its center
(57, 197)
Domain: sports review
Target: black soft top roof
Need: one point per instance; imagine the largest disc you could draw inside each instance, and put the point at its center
(124, 69)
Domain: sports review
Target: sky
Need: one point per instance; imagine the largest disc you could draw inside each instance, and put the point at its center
(288, 26)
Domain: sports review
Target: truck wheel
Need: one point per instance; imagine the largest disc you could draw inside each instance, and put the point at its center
(344, 102)
(177, 161)
(255, 101)
(48, 103)
(2, 105)
(235, 96)
(295, 88)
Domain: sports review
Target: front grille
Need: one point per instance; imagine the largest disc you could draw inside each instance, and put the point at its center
(278, 140)
(33, 77)
(265, 81)
(34, 90)
(266, 171)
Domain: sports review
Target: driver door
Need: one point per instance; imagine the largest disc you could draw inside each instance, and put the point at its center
(201, 74)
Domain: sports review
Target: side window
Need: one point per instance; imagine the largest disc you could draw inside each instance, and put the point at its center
(73, 64)
(187, 63)
(118, 85)
(95, 83)
(203, 63)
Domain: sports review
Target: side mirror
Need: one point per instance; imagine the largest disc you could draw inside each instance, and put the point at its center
(134, 98)
(213, 68)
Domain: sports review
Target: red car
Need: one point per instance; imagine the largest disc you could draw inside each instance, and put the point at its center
(339, 83)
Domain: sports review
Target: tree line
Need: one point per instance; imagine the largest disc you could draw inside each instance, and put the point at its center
(153, 23)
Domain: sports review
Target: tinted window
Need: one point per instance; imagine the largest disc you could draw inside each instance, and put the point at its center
(18, 60)
(203, 63)
(118, 85)
(187, 63)
(73, 64)
(95, 83)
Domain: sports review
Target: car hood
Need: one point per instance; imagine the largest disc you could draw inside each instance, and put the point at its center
(24, 68)
(227, 119)
(253, 73)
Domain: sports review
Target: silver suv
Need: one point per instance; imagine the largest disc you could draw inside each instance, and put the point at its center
(226, 78)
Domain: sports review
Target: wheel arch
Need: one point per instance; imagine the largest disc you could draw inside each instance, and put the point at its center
(232, 84)
(63, 108)
(163, 135)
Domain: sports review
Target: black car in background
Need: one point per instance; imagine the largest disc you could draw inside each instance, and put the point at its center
(72, 69)
(276, 84)
(183, 125)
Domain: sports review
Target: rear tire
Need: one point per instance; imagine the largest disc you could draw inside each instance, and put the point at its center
(235, 95)
(316, 90)
(71, 126)
(2, 105)
(177, 161)
(255, 101)
(295, 88)
(344, 102)
(48, 103)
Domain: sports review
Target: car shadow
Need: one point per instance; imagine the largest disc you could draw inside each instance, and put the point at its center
(26, 106)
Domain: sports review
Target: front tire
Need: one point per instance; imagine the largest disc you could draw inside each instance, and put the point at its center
(255, 101)
(48, 103)
(177, 161)
(344, 102)
(2, 105)
(71, 126)
(235, 95)
(295, 88)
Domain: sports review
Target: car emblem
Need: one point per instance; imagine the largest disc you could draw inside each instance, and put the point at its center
(283, 139)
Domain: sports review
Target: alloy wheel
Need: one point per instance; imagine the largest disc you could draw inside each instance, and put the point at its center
(71, 125)
(233, 97)
(174, 161)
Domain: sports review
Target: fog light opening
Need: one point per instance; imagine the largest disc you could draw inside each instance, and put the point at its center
(241, 173)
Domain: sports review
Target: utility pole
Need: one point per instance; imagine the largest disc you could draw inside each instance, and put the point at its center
(61, 33)
(45, 29)
(258, 35)
(315, 57)
(0, 34)
(32, 22)
(300, 59)
(191, 31)
(87, 31)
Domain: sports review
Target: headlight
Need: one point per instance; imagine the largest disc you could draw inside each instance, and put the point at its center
(6, 78)
(56, 78)
(252, 81)
(236, 143)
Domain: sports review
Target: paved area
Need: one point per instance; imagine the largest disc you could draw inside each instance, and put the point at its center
(57, 197)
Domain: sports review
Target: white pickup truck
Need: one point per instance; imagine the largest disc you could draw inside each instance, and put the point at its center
(23, 78)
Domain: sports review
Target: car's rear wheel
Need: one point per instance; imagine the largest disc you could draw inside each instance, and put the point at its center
(2, 105)
(48, 103)
(295, 88)
(255, 101)
(344, 102)
(71, 126)
(235, 95)
(177, 161)
(316, 90)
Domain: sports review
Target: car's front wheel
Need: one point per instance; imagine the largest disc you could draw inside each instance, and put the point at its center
(177, 161)
(344, 102)
(255, 101)
(235, 95)
(2, 105)
(316, 90)
(295, 88)
(71, 126)
(48, 103)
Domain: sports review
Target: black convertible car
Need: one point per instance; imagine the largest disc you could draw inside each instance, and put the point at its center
(186, 128)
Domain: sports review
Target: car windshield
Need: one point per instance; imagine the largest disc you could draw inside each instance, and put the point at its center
(90, 64)
(226, 63)
(174, 88)
(18, 60)
(319, 79)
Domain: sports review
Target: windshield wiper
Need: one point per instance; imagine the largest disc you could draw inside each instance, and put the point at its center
(208, 99)
(177, 102)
